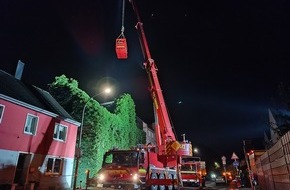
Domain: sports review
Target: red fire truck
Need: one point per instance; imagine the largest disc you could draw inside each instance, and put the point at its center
(192, 171)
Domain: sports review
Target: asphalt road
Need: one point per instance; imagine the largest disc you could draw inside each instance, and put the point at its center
(210, 185)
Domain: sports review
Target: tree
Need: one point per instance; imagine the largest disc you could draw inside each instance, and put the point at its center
(102, 130)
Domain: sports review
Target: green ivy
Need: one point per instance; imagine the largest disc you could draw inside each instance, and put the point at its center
(102, 130)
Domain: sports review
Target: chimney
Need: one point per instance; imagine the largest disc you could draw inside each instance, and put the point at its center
(19, 70)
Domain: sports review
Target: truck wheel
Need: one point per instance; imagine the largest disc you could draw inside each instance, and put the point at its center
(175, 186)
(170, 187)
(161, 176)
(154, 176)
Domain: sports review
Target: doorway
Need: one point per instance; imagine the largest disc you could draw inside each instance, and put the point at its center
(22, 168)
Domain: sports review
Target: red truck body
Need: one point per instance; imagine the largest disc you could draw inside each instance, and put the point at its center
(137, 168)
(192, 171)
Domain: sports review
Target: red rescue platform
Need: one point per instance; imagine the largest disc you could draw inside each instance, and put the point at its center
(121, 48)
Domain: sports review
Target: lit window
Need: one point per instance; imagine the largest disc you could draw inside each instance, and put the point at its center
(1, 112)
(60, 132)
(54, 165)
(31, 124)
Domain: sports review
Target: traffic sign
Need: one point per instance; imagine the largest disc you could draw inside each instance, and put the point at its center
(234, 156)
(235, 163)
(224, 160)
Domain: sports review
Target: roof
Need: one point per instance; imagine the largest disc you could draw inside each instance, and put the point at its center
(29, 94)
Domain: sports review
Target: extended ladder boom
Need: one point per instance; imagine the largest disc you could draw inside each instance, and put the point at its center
(168, 147)
(163, 122)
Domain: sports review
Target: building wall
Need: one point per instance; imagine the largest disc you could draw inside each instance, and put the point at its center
(12, 136)
(8, 161)
(150, 134)
(37, 148)
(37, 170)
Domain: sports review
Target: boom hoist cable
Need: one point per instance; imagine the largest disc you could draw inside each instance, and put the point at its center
(121, 43)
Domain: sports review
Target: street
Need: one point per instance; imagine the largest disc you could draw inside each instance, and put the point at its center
(210, 185)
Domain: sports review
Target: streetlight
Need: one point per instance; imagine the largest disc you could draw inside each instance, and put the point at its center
(106, 91)
(78, 155)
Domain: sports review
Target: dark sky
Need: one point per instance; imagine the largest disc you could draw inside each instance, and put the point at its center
(219, 62)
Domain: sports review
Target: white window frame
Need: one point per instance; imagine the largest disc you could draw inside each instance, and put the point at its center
(2, 107)
(28, 128)
(52, 167)
(57, 134)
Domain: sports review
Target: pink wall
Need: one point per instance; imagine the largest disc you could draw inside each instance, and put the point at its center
(12, 136)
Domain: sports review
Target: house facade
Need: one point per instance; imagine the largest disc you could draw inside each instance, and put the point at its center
(37, 138)
(150, 133)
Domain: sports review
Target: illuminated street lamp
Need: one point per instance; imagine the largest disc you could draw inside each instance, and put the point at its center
(78, 155)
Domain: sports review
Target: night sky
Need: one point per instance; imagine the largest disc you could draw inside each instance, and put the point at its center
(219, 62)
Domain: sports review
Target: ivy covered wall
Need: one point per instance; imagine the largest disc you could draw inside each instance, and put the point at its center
(102, 129)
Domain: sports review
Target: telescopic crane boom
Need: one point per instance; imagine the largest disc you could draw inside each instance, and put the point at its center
(146, 166)
(166, 140)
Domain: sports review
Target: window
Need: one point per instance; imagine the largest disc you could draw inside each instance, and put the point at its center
(128, 158)
(1, 112)
(60, 132)
(31, 124)
(54, 165)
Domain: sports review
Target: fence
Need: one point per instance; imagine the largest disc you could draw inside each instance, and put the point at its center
(273, 166)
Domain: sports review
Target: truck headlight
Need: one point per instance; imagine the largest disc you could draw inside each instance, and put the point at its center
(101, 177)
(135, 177)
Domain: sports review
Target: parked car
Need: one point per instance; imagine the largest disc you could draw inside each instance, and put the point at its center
(220, 180)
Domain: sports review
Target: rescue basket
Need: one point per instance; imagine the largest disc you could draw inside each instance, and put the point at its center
(121, 48)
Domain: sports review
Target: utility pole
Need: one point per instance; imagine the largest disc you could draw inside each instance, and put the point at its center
(225, 170)
(247, 162)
